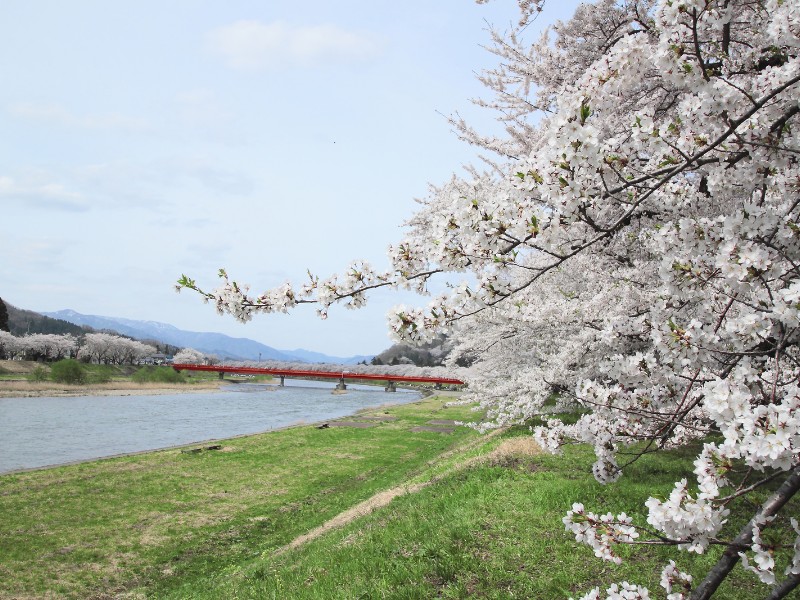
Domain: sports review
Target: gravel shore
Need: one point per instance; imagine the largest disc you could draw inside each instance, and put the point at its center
(26, 389)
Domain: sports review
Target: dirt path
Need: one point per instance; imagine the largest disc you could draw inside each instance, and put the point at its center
(509, 449)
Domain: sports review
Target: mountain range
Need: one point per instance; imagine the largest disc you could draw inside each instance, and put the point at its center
(219, 344)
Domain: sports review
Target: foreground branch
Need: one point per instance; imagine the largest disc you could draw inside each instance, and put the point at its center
(730, 557)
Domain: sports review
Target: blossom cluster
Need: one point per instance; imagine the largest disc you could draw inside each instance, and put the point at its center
(694, 521)
(632, 250)
(600, 532)
(97, 347)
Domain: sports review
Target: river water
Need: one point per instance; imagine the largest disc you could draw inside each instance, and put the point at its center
(38, 432)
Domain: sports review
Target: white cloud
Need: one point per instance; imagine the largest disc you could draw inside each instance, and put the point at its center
(42, 195)
(253, 45)
(55, 113)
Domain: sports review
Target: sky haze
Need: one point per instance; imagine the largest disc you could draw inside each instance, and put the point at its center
(148, 139)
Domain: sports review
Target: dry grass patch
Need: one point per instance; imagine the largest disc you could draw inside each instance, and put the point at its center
(517, 447)
(515, 453)
(347, 456)
(155, 528)
(22, 367)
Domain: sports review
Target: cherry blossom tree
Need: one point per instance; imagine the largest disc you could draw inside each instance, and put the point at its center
(633, 243)
(128, 351)
(9, 345)
(98, 347)
(407, 369)
(47, 346)
(190, 356)
(114, 349)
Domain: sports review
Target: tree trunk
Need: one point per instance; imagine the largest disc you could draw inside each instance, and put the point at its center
(730, 557)
(782, 589)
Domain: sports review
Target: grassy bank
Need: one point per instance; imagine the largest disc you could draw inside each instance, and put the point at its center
(29, 378)
(23, 370)
(453, 515)
(160, 520)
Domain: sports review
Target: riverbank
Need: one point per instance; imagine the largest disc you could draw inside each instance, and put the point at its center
(128, 525)
(51, 431)
(397, 506)
(15, 383)
(29, 389)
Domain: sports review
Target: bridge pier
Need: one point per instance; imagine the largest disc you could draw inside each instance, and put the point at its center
(391, 386)
(283, 379)
(221, 374)
(341, 385)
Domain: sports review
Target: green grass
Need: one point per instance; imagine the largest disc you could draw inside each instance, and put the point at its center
(492, 530)
(100, 373)
(161, 520)
(94, 373)
(152, 374)
(486, 522)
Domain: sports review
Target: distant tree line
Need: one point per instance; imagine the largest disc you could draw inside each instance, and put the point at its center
(27, 325)
(191, 356)
(431, 354)
(435, 353)
(3, 316)
(101, 348)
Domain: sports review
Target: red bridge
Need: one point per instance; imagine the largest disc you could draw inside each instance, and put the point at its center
(391, 380)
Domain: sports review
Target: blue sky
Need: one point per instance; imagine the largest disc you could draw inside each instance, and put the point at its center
(147, 139)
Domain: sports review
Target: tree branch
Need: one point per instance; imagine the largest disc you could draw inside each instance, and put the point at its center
(730, 557)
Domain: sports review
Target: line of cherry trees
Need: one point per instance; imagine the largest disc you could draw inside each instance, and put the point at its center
(92, 347)
(191, 356)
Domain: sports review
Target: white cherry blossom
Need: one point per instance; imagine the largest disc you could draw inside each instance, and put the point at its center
(633, 246)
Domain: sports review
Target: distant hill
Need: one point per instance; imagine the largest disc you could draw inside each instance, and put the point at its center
(432, 354)
(22, 322)
(221, 345)
(317, 357)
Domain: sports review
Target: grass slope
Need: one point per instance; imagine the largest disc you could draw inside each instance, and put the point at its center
(20, 378)
(163, 520)
(482, 519)
(491, 530)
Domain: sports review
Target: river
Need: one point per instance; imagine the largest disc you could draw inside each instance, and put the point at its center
(46, 431)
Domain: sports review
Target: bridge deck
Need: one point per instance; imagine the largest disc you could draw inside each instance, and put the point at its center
(320, 374)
